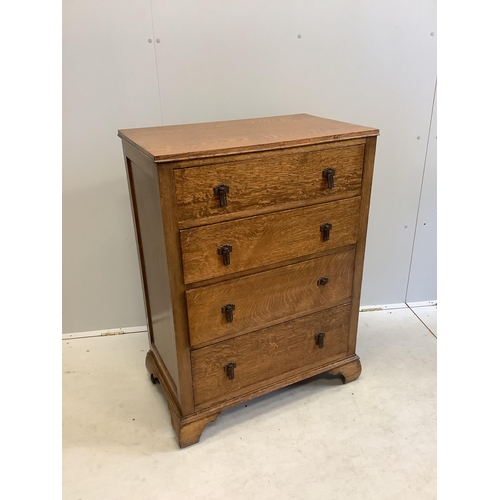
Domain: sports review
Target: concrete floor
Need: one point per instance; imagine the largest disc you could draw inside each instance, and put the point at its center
(374, 438)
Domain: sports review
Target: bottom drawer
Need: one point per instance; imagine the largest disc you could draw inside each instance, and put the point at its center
(245, 363)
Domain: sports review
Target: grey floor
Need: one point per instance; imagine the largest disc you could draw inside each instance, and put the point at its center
(374, 438)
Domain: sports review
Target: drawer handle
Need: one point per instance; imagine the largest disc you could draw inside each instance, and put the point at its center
(322, 281)
(221, 191)
(329, 174)
(225, 250)
(228, 310)
(325, 229)
(229, 369)
(320, 339)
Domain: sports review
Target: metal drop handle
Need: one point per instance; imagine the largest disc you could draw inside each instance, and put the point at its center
(225, 251)
(229, 369)
(228, 311)
(325, 229)
(329, 174)
(319, 338)
(221, 191)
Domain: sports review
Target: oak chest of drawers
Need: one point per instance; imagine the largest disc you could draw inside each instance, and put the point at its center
(251, 237)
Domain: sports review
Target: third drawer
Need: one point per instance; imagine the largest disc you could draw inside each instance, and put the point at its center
(245, 304)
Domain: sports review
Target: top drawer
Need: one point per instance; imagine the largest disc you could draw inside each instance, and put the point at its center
(227, 188)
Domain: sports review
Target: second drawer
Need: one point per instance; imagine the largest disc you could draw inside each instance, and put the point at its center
(243, 244)
(245, 304)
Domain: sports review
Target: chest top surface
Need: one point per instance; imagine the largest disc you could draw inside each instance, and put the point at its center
(198, 140)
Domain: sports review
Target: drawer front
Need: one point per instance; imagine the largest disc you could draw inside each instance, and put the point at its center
(262, 357)
(268, 181)
(228, 247)
(245, 304)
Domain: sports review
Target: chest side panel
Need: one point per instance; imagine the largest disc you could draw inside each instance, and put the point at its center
(151, 246)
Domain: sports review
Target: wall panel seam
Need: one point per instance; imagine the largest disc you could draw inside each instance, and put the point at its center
(420, 194)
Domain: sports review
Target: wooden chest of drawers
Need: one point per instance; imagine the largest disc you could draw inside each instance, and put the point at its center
(251, 238)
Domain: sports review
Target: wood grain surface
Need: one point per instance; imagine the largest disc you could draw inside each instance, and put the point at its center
(268, 181)
(269, 297)
(196, 140)
(261, 356)
(267, 239)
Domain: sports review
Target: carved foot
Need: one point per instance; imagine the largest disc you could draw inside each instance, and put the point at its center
(349, 372)
(188, 430)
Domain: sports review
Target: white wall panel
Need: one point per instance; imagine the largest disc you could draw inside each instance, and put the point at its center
(371, 63)
(422, 280)
(109, 82)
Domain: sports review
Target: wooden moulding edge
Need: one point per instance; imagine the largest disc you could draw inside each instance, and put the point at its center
(200, 155)
(267, 154)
